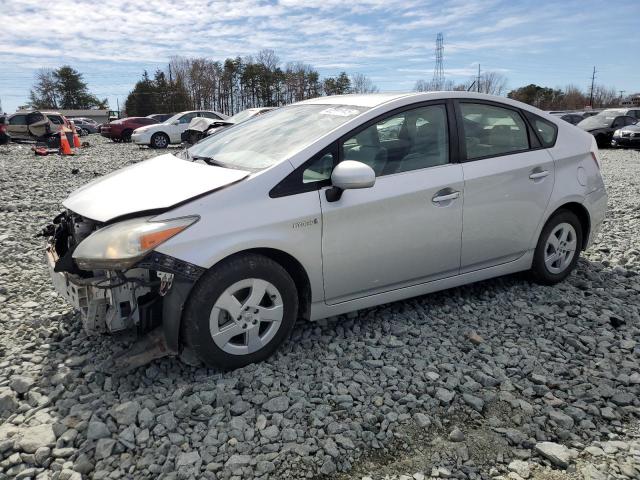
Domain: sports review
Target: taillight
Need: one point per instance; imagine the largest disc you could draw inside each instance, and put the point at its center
(595, 159)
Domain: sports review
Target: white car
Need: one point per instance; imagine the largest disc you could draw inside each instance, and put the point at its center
(324, 207)
(161, 135)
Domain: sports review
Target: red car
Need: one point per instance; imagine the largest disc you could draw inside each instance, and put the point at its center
(121, 130)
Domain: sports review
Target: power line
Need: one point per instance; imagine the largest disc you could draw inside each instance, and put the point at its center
(438, 71)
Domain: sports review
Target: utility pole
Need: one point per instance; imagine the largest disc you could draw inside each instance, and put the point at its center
(438, 72)
(118, 106)
(593, 80)
(478, 79)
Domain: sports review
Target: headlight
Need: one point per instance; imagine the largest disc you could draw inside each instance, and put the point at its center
(121, 245)
(617, 133)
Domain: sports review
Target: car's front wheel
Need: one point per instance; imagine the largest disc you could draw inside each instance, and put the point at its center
(558, 248)
(159, 140)
(240, 311)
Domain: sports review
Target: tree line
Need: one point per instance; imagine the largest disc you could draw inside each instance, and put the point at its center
(235, 84)
(545, 98)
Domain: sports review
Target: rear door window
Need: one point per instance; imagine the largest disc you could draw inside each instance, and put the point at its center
(489, 130)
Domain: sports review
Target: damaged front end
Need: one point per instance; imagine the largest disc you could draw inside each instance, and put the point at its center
(113, 277)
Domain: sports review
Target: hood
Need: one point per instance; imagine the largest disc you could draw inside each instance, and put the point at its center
(155, 184)
(147, 127)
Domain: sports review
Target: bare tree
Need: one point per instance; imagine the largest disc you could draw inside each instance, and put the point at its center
(493, 83)
(360, 83)
(422, 86)
(605, 96)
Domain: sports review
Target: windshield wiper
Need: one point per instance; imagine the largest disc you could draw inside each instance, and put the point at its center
(207, 160)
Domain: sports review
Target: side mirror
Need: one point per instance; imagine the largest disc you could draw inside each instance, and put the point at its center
(349, 175)
(175, 122)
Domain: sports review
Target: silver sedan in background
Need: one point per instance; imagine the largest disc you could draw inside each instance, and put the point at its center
(323, 207)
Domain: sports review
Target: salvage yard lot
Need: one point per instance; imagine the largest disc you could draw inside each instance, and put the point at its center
(469, 382)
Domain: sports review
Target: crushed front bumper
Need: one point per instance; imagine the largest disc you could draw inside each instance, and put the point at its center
(106, 304)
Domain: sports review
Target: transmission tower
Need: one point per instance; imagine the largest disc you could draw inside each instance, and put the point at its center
(438, 71)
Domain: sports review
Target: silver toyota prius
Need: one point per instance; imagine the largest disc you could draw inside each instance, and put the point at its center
(324, 207)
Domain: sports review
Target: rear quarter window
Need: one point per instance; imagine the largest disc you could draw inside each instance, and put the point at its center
(547, 131)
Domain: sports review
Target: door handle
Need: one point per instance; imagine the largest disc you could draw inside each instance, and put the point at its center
(445, 197)
(537, 175)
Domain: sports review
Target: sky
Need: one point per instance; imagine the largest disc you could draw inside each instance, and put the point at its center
(549, 43)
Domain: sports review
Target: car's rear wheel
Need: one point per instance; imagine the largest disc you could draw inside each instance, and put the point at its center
(240, 311)
(126, 135)
(159, 140)
(558, 248)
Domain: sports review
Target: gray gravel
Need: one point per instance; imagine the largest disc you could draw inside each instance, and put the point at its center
(502, 379)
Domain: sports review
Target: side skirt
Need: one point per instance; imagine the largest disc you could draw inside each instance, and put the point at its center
(322, 310)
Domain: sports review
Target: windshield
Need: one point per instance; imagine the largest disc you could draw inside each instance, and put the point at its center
(597, 121)
(269, 139)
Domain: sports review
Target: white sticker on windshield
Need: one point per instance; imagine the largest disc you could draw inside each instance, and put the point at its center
(340, 111)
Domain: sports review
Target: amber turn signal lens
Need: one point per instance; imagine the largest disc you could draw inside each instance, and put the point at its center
(150, 240)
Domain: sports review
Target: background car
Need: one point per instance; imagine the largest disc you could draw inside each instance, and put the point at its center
(87, 125)
(4, 136)
(170, 131)
(630, 112)
(572, 118)
(201, 127)
(161, 117)
(628, 136)
(38, 126)
(121, 130)
(603, 125)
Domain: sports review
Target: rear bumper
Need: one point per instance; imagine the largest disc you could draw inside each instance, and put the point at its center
(596, 203)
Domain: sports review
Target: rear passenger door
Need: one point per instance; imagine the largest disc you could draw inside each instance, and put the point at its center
(508, 178)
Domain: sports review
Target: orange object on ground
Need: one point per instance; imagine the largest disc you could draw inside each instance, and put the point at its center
(65, 148)
(76, 140)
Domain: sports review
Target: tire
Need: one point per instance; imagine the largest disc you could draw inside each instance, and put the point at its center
(126, 135)
(159, 140)
(555, 259)
(262, 322)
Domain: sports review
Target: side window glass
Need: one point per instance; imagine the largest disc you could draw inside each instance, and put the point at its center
(18, 120)
(630, 121)
(491, 130)
(319, 170)
(187, 118)
(209, 115)
(547, 131)
(405, 141)
(618, 122)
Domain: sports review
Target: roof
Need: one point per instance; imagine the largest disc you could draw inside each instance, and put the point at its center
(358, 100)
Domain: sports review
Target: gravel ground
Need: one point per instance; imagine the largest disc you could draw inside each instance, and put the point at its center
(502, 379)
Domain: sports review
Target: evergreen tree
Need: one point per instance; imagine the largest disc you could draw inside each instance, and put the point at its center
(63, 88)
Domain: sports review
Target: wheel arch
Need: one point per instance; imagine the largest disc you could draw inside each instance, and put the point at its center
(293, 268)
(172, 316)
(582, 213)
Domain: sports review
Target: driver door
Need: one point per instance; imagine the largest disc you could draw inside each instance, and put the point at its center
(407, 228)
(175, 131)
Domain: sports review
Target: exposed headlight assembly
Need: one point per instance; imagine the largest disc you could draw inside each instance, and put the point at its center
(123, 244)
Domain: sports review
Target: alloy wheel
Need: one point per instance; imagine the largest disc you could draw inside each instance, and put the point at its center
(560, 248)
(246, 317)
